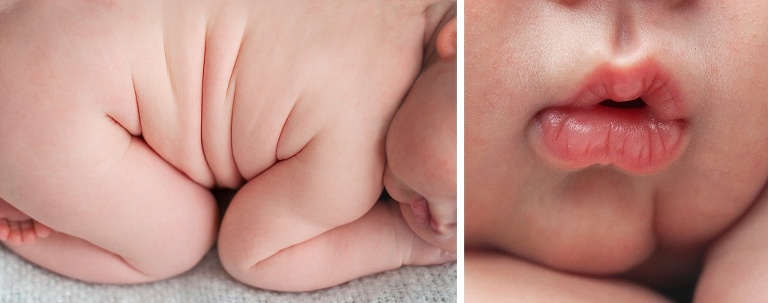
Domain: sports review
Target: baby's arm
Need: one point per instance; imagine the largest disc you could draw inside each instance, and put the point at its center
(736, 266)
(494, 277)
(310, 222)
(378, 241)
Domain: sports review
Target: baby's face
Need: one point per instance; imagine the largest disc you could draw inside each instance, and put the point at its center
(557, 174)
(421, 153)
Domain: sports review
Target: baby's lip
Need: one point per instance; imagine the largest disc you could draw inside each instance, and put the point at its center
(644, 138)
(646, 80)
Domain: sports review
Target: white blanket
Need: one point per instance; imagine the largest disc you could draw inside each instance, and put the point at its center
(21, 281)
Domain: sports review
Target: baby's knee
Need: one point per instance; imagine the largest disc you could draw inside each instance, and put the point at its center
(234, 256)
(149, 264)
(183, 262)
(244, 268)
(269, 274)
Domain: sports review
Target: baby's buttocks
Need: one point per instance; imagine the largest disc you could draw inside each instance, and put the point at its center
(225, 91)
(167, 59)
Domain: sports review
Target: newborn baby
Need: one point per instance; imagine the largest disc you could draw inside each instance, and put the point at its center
(616, 150)
(117, 118)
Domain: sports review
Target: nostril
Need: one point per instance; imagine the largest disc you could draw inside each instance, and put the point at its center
(637, 103)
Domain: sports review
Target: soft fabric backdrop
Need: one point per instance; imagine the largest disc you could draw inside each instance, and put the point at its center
(21, 281)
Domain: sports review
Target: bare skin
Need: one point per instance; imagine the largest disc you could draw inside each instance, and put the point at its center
(110, 143)
(17, 227)
(690, 221)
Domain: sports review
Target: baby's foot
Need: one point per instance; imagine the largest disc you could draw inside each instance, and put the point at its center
(17, 228)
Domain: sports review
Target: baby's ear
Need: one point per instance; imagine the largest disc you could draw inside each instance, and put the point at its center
(446, 40)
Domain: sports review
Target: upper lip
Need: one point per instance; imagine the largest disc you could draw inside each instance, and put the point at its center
(646, 80)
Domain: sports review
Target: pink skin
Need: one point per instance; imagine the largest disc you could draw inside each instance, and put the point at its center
(152, 110)
(537, 68)
(17, 228)
(421, 148)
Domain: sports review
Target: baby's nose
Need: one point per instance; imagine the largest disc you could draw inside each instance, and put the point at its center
(443, 228)
(443, 217)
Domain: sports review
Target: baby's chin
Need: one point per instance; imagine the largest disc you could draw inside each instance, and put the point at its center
(594, 221)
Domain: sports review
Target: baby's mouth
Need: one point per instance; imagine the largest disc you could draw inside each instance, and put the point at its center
(633, 118)
(637, 103)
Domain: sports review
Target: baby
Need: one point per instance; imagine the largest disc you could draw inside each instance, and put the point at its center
(616, 151)
(117, 118)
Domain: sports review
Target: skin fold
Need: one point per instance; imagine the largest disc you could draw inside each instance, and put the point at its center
(117, 119)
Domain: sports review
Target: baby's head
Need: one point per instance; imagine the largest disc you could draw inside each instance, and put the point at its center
(421, 143)
(558, 174)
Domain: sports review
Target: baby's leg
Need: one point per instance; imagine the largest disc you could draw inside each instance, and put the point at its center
(310, 222)
(378, 241)
(121, 214)
(494, 277)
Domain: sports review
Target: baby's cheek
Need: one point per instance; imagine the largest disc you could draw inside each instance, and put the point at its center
(397, 189)
(429, 166)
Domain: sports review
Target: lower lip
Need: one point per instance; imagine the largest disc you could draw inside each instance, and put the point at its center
(631, 139)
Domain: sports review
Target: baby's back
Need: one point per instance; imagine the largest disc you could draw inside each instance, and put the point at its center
(224, 89)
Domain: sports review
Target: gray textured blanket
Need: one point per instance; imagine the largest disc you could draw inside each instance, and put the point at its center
(207, 282)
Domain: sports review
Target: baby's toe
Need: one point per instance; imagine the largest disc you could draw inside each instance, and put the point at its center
(28, 235)
(14, 233)
(5, 230)
(42, 230)
(21, 232)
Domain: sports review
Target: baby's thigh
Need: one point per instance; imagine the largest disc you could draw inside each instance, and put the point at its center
(329, 183)
(67, 160)
(492, 277)
(76, 170)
